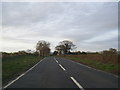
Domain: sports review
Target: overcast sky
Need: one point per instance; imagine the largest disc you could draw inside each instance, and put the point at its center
(90, 26)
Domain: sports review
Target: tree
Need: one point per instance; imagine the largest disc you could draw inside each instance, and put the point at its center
(113, 51)
(59, 48)
(42, 48)
(55, 52)
(65, 46)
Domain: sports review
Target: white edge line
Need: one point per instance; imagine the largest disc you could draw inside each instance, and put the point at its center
(77, 83)
(62, 67)
(93, 68)
(22, 75)
(13, 81)
(98, 70)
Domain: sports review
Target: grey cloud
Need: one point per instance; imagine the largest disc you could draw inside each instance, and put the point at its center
(27, 13)
(76, 21)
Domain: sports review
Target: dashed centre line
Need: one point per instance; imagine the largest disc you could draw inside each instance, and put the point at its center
(77, 83)
(56, 61)
(59, 64)
(62, 67)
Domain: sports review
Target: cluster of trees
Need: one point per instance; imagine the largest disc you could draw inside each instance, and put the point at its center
(64, 47)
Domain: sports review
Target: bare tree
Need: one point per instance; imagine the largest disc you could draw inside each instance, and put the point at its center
(42, 48)
(65, 46)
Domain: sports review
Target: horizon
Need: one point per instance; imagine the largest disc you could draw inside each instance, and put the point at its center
(56, 50)
(91, 26)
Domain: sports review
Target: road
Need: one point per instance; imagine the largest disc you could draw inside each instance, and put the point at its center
(54, 72)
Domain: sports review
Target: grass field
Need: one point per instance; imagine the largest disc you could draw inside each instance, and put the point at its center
(108, 65)
(15, 65)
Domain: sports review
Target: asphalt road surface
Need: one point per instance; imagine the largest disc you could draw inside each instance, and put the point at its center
(54, 72)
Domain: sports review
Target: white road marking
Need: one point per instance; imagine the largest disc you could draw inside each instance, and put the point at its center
(62, 67)
(13, 81)
(93, 68)
(34, 66)
(56, 60)
(22, 75)
(77, 83)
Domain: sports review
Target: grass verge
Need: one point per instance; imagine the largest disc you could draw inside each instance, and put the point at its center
(107, 67)
(15, 65)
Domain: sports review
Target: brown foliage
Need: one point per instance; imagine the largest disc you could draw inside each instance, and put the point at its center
(105, 58)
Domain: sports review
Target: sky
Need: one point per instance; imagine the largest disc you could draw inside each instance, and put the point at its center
(91, 26)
